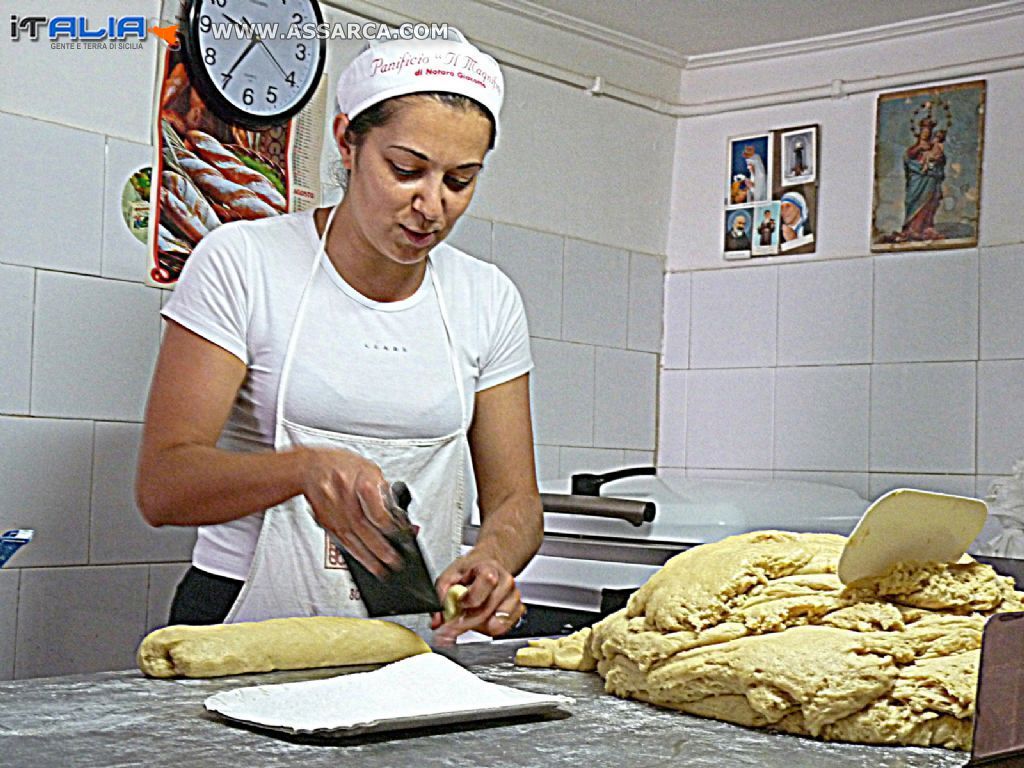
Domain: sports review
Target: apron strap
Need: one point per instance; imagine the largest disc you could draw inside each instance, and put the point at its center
(453, 352)
(289, 354)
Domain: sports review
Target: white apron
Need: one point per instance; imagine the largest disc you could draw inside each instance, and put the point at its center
(296, 570)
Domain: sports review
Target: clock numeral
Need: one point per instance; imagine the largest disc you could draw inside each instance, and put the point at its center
(296, 19)
(300, 52)
(247, 97)
(290, 79)
(271, 95)
(220, 3)
(211, 56)
(205, 23)
(227, 78)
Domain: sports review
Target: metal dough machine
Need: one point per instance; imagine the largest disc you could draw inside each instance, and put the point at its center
(606, 533)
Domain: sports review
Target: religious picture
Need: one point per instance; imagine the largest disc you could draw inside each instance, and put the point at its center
(765, 235)
(798, 156)
(928, 152)
(796, 217)
(772, 193)
(748, 175)
(738, 233)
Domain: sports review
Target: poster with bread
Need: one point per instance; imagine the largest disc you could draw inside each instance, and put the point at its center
(208, 172)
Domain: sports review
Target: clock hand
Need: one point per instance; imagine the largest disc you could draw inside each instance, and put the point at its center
(242, 25)
(273, 58)
(249, 47)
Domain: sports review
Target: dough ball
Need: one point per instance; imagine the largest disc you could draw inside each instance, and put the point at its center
(452, 607)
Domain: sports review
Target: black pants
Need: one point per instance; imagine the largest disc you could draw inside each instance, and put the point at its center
(203, 598)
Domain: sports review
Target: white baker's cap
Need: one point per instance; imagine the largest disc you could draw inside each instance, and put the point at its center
(392, 68)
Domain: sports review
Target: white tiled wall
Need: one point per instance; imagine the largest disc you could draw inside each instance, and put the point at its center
(880, 379)
(737, 314)
(118, 535)
(595, 380)
(926, 307)
(1002, 310)
(678, 288)
(533, 260)
(728, 418)
(922, 417)
(94, 346)
(816, 296)
(79, 619)
(46, 475)
(595, 295)
(821, 418)
(9, 581)
(52, 216)
(17, 291)
(79, 333)
(1000, 414)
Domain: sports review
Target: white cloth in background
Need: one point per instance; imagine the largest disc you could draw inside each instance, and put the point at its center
(1006, 504)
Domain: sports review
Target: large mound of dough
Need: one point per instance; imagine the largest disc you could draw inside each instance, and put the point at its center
(758, 630)
(263, 646)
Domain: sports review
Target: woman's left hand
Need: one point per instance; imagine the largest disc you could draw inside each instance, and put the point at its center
(492, 605)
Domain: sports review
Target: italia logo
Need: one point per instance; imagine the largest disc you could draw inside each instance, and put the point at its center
(82, 29)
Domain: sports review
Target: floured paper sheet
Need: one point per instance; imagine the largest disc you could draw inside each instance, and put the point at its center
(419, 691)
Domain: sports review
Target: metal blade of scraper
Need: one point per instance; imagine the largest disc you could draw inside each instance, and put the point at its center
(406, 589)
(999, 704)
(909, 525)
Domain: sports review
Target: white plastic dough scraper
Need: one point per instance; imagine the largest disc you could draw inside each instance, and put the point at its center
(910, 525)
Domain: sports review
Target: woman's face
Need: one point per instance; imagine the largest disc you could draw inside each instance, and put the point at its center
(789, 213)
(413, 177)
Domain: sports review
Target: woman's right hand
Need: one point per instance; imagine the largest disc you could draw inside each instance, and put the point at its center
(348, 495)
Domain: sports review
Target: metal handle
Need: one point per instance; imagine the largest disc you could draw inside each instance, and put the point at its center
(634, 511)
(588, 484)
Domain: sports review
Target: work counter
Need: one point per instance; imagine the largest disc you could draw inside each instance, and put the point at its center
(115, 719)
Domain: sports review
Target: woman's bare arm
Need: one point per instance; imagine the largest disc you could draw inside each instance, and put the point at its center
(184, 479)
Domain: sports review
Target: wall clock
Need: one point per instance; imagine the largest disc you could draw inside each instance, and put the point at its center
(250, 60)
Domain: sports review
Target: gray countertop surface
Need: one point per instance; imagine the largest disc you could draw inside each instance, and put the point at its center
(114, 719)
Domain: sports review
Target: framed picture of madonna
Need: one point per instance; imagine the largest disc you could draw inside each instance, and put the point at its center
(928, 152)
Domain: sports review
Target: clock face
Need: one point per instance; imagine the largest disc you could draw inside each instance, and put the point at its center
(255, 62)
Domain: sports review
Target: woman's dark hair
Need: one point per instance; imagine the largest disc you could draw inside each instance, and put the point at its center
(382, 112)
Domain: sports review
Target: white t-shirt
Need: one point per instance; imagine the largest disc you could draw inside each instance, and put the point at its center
(360, 366)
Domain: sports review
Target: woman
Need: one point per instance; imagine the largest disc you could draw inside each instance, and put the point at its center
(362, 351)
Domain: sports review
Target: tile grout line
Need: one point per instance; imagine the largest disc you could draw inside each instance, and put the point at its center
(92, 491)
(871, 374)
(775, 368)
(977, 377)
(561, 300)
(32, 338)
(17, 618)
(103, 199)
(629, 294)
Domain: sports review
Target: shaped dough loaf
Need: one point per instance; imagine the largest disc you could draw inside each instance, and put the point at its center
(263, 646)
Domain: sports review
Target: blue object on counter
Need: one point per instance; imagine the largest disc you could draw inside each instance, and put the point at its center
(12, 541)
